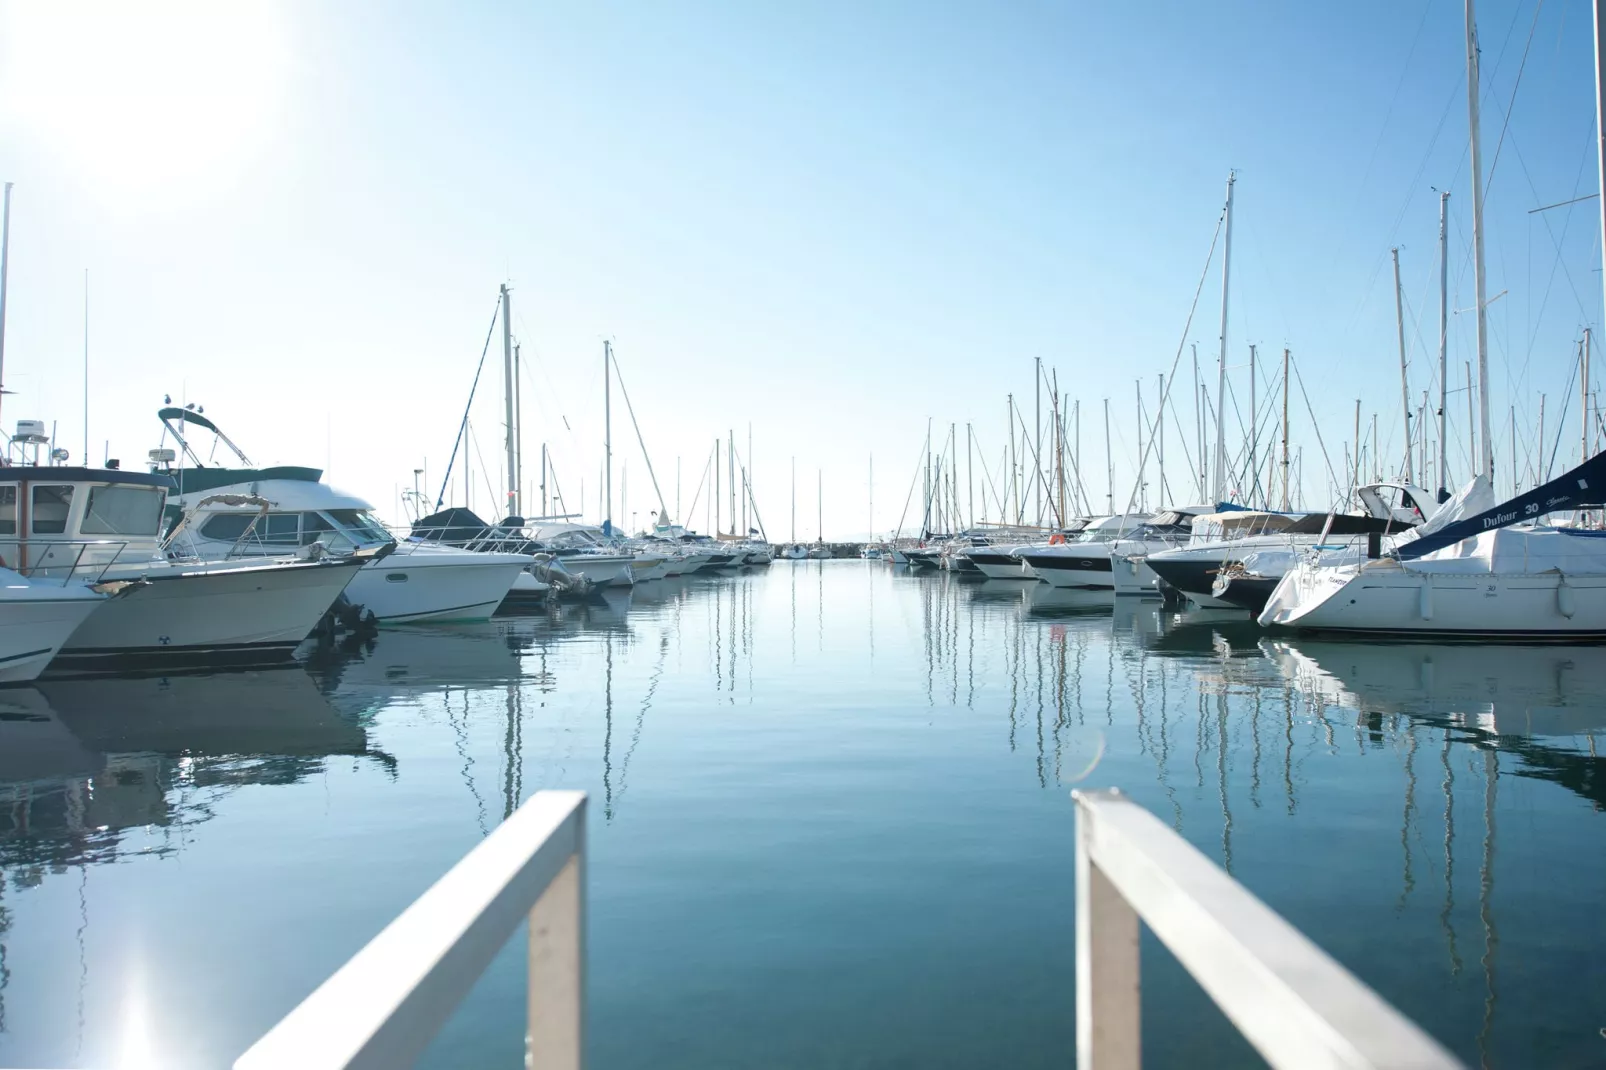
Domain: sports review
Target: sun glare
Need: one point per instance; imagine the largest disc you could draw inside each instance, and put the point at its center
(148, 100)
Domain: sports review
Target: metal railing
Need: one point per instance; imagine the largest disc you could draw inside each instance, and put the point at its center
(62, 561)
(1290, 1000)
(385, 1005)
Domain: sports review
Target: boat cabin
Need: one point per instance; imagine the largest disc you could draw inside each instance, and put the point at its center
(287, 517)
(61, 522)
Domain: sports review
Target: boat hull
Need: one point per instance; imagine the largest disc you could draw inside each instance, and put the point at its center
(1000, 566)
(33, 630)
(409, 588)
(600, 570)
(1385, 599)
(1082, 572)
(251, 615)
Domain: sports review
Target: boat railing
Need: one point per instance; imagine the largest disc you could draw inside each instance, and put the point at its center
(64, 561)
(385, 1005)
(1289, 999)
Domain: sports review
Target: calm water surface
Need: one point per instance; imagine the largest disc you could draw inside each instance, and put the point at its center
(830, 824)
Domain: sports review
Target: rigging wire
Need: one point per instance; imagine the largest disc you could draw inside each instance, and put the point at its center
(463, 427)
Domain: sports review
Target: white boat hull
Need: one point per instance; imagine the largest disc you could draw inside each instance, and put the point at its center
(436, 586)
(252, 614)
(33, 630)
(598, 569)
(1382, 597)
(1132, 577)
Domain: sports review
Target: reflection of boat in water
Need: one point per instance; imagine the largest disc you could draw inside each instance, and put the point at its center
(1521, 699)
(1501, 688)
(1045, 600)
(997, 591)
(83, 760)
(426, 658)
(1198, 632)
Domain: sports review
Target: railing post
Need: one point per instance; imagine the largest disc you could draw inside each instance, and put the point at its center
(1108, 1008)
(556, 1036)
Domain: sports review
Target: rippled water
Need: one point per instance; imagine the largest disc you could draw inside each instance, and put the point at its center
(830, 824)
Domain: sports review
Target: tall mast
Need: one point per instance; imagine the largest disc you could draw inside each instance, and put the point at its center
(1254, 428)
(1037, 432)
(511, 506)
(86, 366)
(819, 504)
(1600, 123)
(518, 428)
(1583, 398)
(607, 436)
(1444, 339)
(5, 259)
(1480, 282)
(717, 502)
(1221, 362)
(1285, 429)
(1159, 430)
(1405, 386)
(794, 500)
(1109, 463)
(1198, 417)
(970, 471)
(730, 444)
(1014, 481)
(870, 534)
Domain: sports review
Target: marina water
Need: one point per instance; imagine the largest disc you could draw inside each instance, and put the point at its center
(830, 823)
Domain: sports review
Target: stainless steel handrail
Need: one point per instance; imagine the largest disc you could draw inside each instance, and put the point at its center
(384, 1006)
(1294, 1003)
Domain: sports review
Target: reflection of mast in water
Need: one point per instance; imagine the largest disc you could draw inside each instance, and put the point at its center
(1449, 857)
(1491, 939)
(1254, 760)
(460, 730)
(607, 725)
(1288, 747)
(513, 753)
(719, 640)
(793, 571)
(1013, 655)
(1221, 773)
(1407, 879)
(641, 719)
(1042, 780)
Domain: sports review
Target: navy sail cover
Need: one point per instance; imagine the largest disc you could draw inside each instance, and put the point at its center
(1582, 488)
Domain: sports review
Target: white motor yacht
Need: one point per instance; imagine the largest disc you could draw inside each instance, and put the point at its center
(415, 581)
(1084, 561)
(580, 550)
(36, 620)
(90, 525)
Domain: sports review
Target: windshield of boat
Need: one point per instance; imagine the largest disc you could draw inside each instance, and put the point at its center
(358, 525)
(573, 539)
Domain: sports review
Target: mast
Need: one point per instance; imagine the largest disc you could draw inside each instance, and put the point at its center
(819, 504)
(730, 445)
(1600, 131)
(1254, 428)
(1583, 401)
(1285, 429)
(794, 500)
(5, 259)
(1037, 432)
(970, 471)
(1109, 463)
(86, 366)
(1472, 439)
(607, 437)
(716, 488)
(1480, 282)
(1159, 430)
(1405, 386)
(544, 506)
(1014, 481)
(511, 506)
(518, 427)
(1198, 417)
(871, 533)
(1221, 363)
(1444, 340)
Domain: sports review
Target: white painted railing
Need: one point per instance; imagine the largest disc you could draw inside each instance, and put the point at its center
(1289, 999)
(383, 1007)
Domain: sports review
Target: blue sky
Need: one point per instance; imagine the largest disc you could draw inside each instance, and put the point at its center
(830, 221)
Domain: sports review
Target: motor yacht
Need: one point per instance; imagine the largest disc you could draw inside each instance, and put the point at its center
(1085, 560)
(88, 525)
(416, 580)
(36, 620)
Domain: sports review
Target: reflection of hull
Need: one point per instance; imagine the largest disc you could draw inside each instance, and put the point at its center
(35, 746)
(34, 628)
(1382, 597)
(278, 711)
(426, 658)
(1048, 600)
(237, 615)
(436, 585)
(1502, 688)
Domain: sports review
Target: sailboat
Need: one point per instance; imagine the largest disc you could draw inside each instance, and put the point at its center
(1481, 576)
(1499, 572)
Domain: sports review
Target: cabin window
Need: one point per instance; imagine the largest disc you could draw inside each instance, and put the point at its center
(313, 525)
(360, 522)
(123, 510)
(8, 509)
(48, 512)
(227, 527)
(280, 529)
